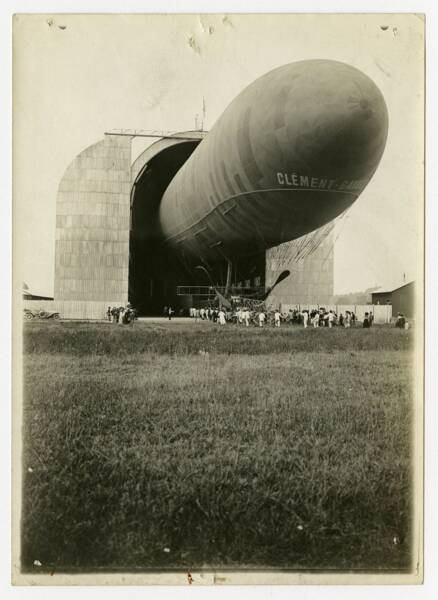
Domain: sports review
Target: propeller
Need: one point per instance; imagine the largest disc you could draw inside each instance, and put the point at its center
(279, 279)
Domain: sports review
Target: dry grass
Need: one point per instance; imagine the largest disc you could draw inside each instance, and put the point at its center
(282, 449)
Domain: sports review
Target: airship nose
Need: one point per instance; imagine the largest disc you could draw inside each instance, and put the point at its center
(334, 122)
(346, 144)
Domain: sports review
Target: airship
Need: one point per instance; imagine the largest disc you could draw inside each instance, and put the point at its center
(292, 151)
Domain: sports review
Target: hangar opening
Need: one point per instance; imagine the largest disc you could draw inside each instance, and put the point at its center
(151, 269)
(156, 273)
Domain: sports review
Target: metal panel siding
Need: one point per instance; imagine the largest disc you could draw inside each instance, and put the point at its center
(92, 226)
(311, 278)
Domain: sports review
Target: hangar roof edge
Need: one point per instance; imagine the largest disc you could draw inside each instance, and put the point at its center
(189, 135)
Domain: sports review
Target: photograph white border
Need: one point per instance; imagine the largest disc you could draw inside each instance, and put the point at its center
(7, 9)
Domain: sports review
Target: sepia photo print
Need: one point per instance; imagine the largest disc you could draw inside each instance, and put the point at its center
(218, 298)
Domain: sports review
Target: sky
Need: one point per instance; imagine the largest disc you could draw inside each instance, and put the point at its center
(77, 76)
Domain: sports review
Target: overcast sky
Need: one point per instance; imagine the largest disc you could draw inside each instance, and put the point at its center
(97, 73)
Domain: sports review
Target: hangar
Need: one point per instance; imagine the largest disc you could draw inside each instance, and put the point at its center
(256, 194)
(106, 253)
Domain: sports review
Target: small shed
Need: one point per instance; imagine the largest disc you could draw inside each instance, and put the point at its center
(381, 297)
(402, 299)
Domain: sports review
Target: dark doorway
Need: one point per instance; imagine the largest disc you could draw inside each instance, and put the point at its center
(152, 270)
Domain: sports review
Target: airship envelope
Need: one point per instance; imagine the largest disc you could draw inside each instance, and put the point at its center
(290, 153)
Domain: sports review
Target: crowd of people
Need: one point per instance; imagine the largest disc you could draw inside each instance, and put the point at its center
(121, 314)
(307, 318)
(260, 317)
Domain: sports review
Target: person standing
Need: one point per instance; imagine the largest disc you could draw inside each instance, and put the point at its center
(246, 317)
(331, 318)
(277, 317)
(108, 314)
(401, 321)
(321, 317)
(262, 318)
(221, 316)
(169, 313)
(366, 321)
(305, 318)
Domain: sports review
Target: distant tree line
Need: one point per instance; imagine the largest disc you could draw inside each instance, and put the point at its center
(355, 297)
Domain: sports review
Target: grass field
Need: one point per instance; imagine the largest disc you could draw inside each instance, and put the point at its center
(190, 445)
